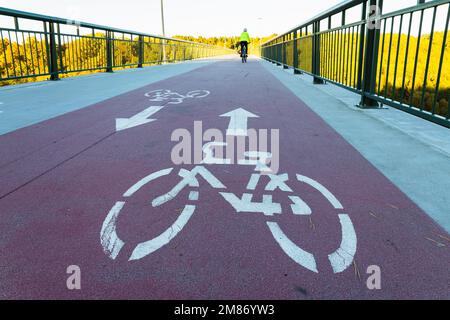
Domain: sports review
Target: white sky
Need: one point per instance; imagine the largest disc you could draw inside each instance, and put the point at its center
(191, 17)
(186, 17)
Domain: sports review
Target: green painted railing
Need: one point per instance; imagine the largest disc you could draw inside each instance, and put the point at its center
(401, 59)
(61, 47)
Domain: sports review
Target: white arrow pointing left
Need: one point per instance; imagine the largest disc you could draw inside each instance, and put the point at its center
(138, 119)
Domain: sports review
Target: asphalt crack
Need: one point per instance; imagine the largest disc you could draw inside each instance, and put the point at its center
(56, 166)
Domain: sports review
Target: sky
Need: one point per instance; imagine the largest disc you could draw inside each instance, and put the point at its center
(190, 17)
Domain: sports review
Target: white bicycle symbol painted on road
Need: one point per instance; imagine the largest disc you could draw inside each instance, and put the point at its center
(340, 259)
(174, 97)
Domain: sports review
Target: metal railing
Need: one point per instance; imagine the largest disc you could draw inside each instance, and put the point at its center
(48, 51)
(401, 59)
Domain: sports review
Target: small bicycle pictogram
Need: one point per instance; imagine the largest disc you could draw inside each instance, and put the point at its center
(162, 95)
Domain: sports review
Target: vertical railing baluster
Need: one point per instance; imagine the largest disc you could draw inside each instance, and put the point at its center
(4, 54)
(402, 94)
(397, 56)
(362, 36)
(416, 59)
(444, 46)
(427, 66)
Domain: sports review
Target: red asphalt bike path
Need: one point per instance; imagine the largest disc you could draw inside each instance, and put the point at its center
(60, 179)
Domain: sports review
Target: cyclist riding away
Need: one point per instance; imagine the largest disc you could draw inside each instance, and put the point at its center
(244, 40)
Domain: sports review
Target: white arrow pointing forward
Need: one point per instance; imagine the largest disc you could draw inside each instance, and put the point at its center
(137, 120)
(238, 121)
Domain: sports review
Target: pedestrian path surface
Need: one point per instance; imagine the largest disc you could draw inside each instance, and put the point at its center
(98, 188)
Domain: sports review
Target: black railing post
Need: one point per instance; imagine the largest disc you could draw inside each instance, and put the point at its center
(316, 53)
(60, 53)
(141, 51)
(280, 54)
(370, 55)
(278, 48)
(53, 59)
(295, 52)
(285, 39)
(109, 52)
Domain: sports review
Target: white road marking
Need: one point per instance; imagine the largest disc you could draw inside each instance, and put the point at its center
(257, 159)
(209, 177)
(138, 119)
(198, 94)
(164, 95)
(342, 258)
(299, 207)
(144, 249)
(193, 196)
(208, 150)
(238, 121)
(267, 206)
(296, 253)
(278, 181)
(146, 180)
(325, 192)
(254, 179)
(108, 237)
(189, 179)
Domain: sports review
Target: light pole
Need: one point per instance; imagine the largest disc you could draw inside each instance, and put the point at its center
(163, 32)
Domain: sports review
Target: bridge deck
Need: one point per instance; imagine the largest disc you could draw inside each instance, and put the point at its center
(65, 199)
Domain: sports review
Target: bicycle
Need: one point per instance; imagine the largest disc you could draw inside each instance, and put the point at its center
(340, 259)
(244, 54)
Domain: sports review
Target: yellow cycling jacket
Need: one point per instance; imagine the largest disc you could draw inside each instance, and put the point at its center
(245, 37)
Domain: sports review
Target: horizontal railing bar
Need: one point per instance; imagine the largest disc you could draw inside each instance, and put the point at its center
(347, 4)
(412, 110)
(347, 26)
(423, 6)
(84, 36)
(83, 70)
(24, 30)
(25, 77)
